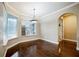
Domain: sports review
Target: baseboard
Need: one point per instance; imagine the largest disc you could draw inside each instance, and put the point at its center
(50, 41)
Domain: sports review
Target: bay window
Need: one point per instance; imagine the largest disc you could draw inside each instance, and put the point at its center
(11, 27)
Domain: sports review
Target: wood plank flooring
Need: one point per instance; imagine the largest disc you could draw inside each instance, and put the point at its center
(41, 48)
(68, 48)
(36, 48)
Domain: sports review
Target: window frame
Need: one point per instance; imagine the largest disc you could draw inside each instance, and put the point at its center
(6, 26)
(31, 28)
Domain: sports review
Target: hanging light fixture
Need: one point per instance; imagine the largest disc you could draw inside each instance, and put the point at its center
(33, 20)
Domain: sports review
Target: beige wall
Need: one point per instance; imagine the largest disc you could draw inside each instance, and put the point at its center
(70, 27)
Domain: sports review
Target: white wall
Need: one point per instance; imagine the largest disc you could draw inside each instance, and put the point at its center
(49, 23)
(49, 29)
(1, 23)
(1, 28)
(13, 11)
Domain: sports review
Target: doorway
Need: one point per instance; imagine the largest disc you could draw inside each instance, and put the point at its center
(67, 34)
(67, 27)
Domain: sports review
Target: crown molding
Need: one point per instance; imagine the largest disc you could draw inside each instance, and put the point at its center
(68, 6)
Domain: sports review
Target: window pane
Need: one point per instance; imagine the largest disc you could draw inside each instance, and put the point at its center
(33, 27)
(11, 27)
(30, 28)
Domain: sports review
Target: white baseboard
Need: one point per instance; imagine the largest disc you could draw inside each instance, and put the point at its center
(50, 41)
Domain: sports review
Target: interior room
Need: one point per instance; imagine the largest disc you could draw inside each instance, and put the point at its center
(39, 29)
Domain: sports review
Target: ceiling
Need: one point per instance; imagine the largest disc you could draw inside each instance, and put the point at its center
(42, 8)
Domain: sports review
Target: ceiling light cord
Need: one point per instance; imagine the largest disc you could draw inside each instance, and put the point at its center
(34, 15)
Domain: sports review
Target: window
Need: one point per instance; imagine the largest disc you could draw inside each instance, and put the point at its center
(11, 27)
(30, 28)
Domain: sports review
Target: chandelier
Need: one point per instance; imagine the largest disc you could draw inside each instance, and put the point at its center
(34, 20)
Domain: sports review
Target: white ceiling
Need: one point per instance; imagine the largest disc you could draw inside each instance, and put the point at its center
(42, 8)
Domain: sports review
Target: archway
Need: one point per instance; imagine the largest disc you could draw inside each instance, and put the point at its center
(67, 34)
(67, 27)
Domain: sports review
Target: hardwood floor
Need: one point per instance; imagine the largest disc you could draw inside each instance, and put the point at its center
(68, 48)
(41, 48)
(37, 48)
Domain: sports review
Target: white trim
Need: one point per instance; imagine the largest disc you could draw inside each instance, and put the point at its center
(50, 41)
(21, 42)
(15, 11)
(32, 40)
(70, 40)
(71, 5)
(18, 43)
